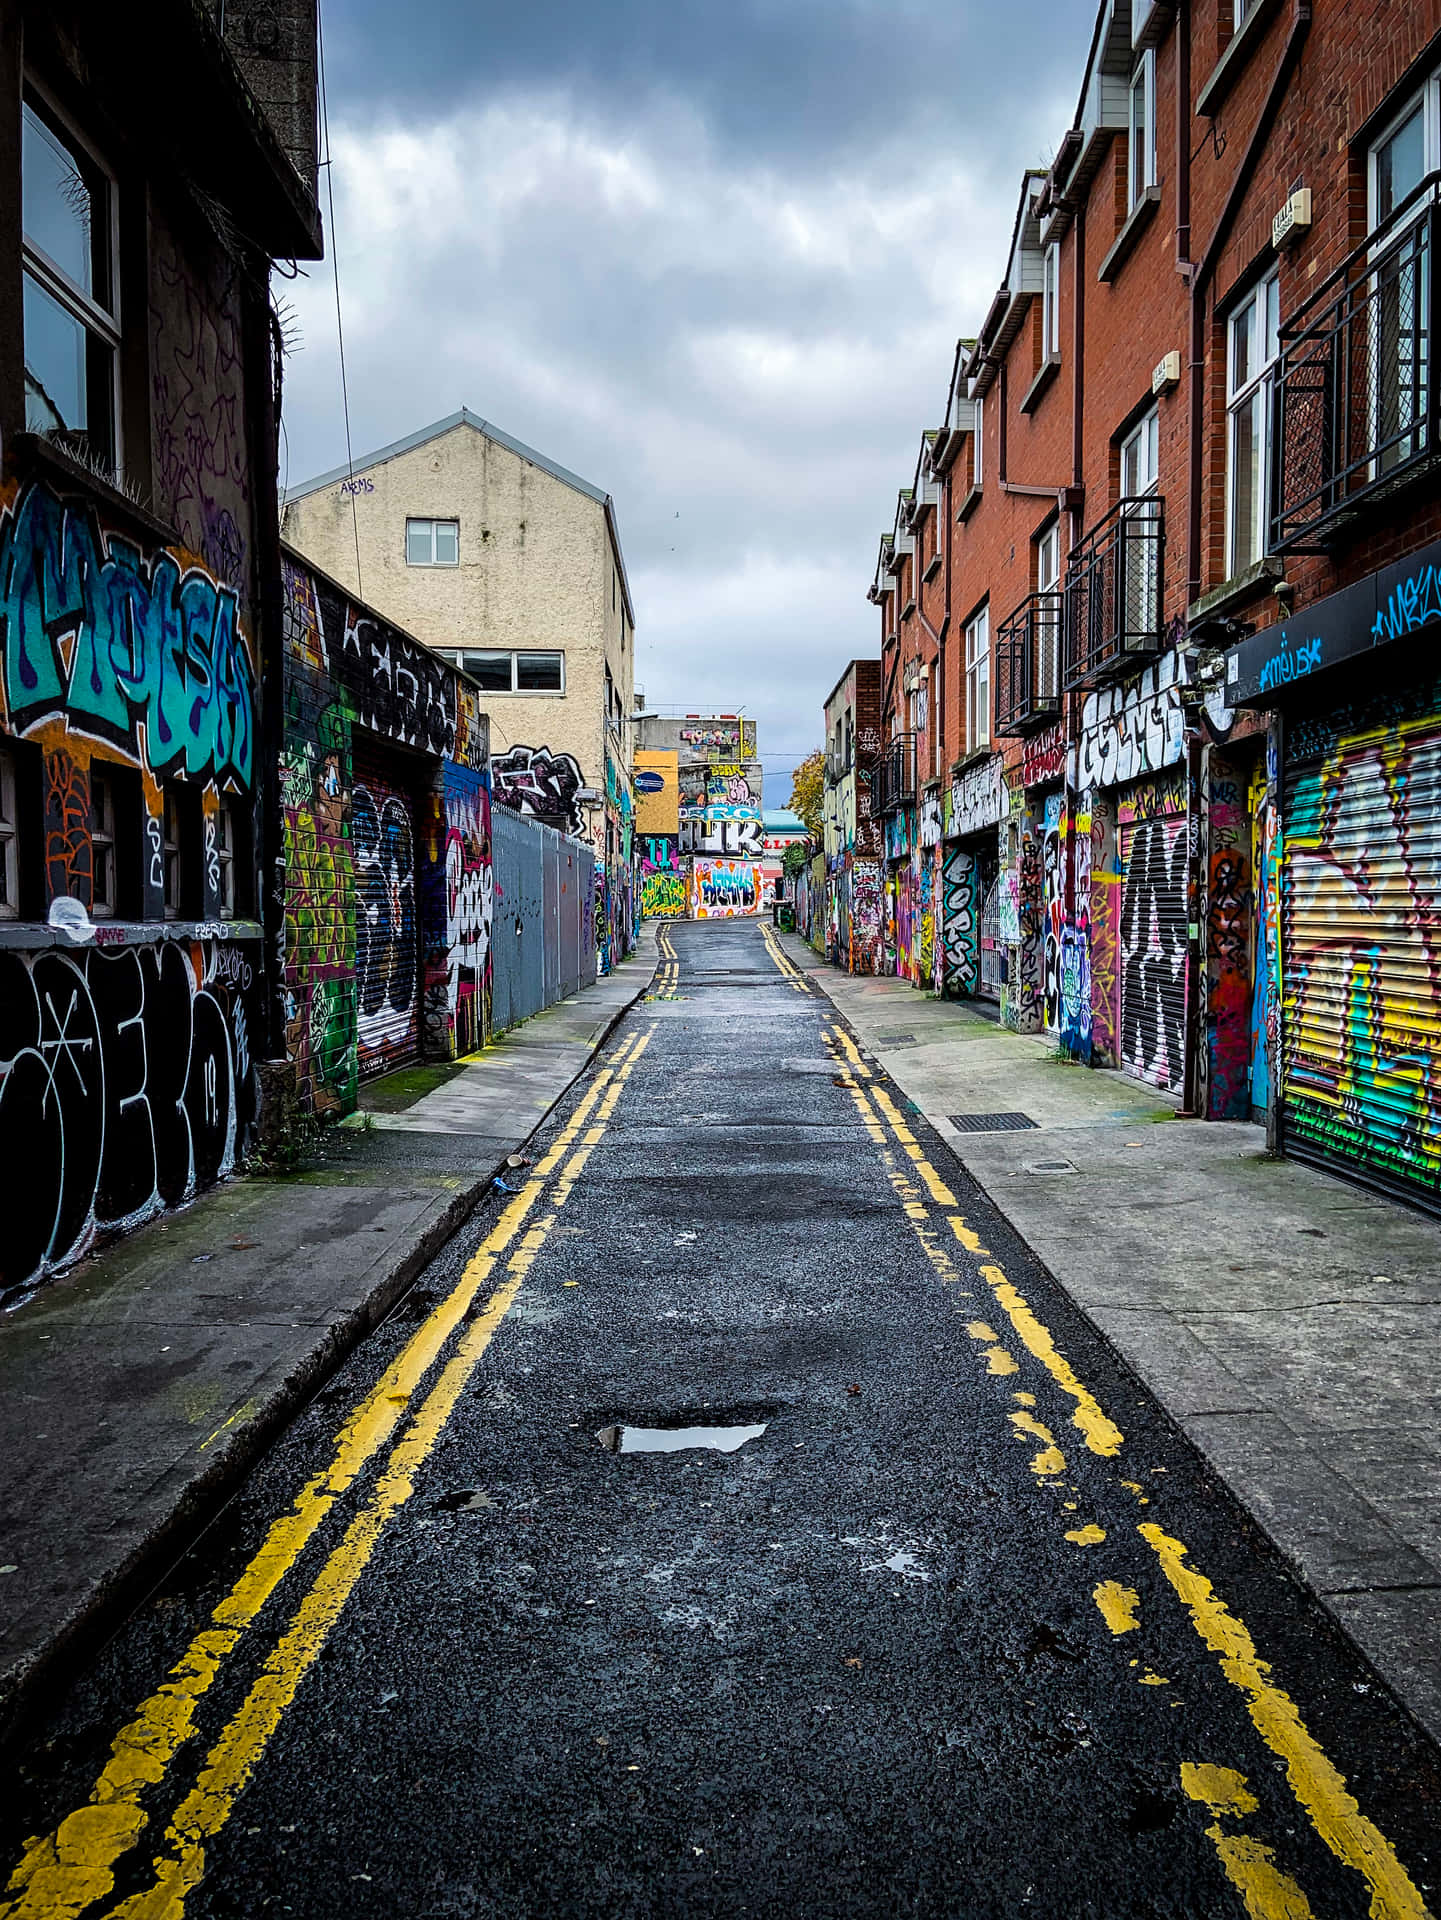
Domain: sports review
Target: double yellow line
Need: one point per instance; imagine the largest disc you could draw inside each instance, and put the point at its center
(1317, 1785)
(667, 980)
(787, 966)
(65, 1872)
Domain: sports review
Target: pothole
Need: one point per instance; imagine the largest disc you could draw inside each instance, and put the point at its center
(626, 1439)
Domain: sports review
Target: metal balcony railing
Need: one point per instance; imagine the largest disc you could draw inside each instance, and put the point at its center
(893, 783)
(1028, 665)
(1354, 400)
(1111, 607)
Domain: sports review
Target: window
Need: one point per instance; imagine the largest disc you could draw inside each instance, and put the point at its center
(225, 838)
(103, 885)
(173, 854)
(503, 671)
(1140, 558)
(977, 438)
(978, 681)
(1250, 369)
(1400, 300)
(1241, 11)
(1048, 560)
(9, 852)
(432, 543)
(70, 308)
(1051, 303)
(1141, 152)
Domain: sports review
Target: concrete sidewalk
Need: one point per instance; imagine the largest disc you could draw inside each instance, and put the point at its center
(1290, 1323)
(137, 1389)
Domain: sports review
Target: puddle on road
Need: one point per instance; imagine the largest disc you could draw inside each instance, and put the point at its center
(674, 1439)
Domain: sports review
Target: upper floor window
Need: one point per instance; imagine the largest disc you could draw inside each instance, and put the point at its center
(1139, 457)
(978, 436)
(226, 837)
(173, 854)
(1250, 370)
(505, 671)
(1051, 303)
(1048, 560)
(432, 543)
(71, 311)
(103, 876)
(1141, 152)
(9, 838)
(978, 681)
(1241, 11)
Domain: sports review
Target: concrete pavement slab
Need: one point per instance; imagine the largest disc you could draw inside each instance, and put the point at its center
(1290, 1323)
(137, 1389)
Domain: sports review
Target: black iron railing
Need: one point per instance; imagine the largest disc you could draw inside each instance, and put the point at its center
(893, 783)
(1028, 665)
(1111, 607)
(1354, 400)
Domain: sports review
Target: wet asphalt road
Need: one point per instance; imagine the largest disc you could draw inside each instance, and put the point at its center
(967, 1630)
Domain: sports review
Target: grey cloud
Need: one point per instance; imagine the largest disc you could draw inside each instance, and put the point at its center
(743, 349)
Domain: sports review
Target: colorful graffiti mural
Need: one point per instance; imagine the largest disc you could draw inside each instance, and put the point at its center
(1154, 954)
(662, 877)
(960, 923)
(541, 783)
(1227, 923)
(1360, 1032)
(724, 889)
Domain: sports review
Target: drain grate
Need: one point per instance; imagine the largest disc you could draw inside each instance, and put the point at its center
(991, 1122)
(896, 1040)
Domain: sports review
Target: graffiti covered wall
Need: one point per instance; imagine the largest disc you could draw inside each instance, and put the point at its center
(385, 807)
(127, 1040)
(662, 877)
(725, 889)
(961, 923)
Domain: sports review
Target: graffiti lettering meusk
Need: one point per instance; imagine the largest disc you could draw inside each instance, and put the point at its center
(92, 629)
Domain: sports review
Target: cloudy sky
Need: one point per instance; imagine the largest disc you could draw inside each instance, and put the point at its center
(712, 254)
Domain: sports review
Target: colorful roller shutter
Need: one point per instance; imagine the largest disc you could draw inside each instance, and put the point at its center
(384, 843)
(1154, 950)
(1361, 954)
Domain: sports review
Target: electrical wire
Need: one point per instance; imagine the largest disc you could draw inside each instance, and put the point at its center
(335, 267)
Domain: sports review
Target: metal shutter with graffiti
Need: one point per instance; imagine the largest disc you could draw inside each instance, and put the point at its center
(1154, 950)
(383, 842)
(1361, 951)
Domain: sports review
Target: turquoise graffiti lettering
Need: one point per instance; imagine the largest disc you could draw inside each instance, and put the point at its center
(152, 642)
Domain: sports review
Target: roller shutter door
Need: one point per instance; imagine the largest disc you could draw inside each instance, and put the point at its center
(993, 952)
(384, 846)
(1154, 950)
(1361, 956)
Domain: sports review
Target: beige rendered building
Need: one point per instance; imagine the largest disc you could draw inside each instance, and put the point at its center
(510, 565)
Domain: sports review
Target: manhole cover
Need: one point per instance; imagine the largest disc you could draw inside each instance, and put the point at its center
(895, 1040)
(991, 1122)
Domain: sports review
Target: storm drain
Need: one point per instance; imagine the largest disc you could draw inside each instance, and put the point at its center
(896, 1040)
(991, 1122)
(675, 1439)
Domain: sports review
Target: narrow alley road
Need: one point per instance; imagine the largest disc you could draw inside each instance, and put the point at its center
(950, 1622)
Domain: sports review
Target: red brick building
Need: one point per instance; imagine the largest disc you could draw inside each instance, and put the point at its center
(1161, 765)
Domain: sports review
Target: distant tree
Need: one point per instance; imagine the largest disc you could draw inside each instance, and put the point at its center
(807, 792)
(794, 857)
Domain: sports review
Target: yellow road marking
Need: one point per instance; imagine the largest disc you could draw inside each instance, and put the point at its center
(1316, 1783)
(1100, 1433)
(1050, 1460)
(61, 1873)
(1118, 1606)
(1268, 1893)
(1314, 1780)
(232, 1760)
(937, 1187)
